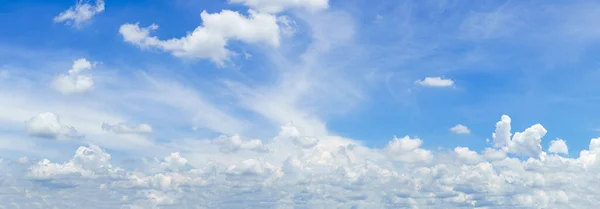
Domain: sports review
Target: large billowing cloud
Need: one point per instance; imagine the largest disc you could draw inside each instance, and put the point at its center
(401, 175)
(209, 40)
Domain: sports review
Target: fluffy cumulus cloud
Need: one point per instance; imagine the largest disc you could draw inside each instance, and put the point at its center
(407, 150)
(209, 40)
(402, 175)
(47, 125)
(460, 129)
(340, 176)
(558, 146)
(122, 128)
(76, 80)
(280, 5)
(88, 162)
(81, 13)
(435, 82)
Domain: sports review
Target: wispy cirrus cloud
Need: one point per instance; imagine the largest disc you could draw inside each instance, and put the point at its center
(80, 13)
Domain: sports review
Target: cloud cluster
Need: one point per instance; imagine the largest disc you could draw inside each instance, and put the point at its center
(82, 12)
(346, 175)
(75, 81)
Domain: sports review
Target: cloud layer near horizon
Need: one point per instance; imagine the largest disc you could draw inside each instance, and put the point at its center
(333, 173)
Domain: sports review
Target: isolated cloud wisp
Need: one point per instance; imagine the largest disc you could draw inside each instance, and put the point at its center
(122, 128)
(81, 13)
(435, 82)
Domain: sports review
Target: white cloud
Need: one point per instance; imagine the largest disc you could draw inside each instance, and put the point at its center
(460, 129)
(435, 82)
(527, 143)
(281, 5)
(209, 40)
(74, 81)
(122, 128)
(88, 162)
(407, 150)
(345, 177)
(594, 144)
(558, 146)
(290, 133)
(80, 13)
(174, 161)
(502, 134)
(467, 156)
(47, 125)
(235, 143)
(249, 167)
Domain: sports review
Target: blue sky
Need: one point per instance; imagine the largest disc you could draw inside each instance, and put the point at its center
(342, 71)
(503, 57)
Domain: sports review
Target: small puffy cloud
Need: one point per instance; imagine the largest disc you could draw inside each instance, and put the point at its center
(435, 82)
(122, 128)
(460, 129)
(289, 132)
(23, 160)
(407, 150)
(281, 5)
(209, 40)
(75, 81)
(502, 134)
(594, 144)
(467, 156)
(174, 161)
(80, 13)
(47, 125)
(527, 143)
(249, 167)
(558, 146)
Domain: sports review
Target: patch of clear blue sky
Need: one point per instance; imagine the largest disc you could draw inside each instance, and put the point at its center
(507, 57)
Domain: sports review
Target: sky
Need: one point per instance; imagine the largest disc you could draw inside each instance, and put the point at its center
(299, 104)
